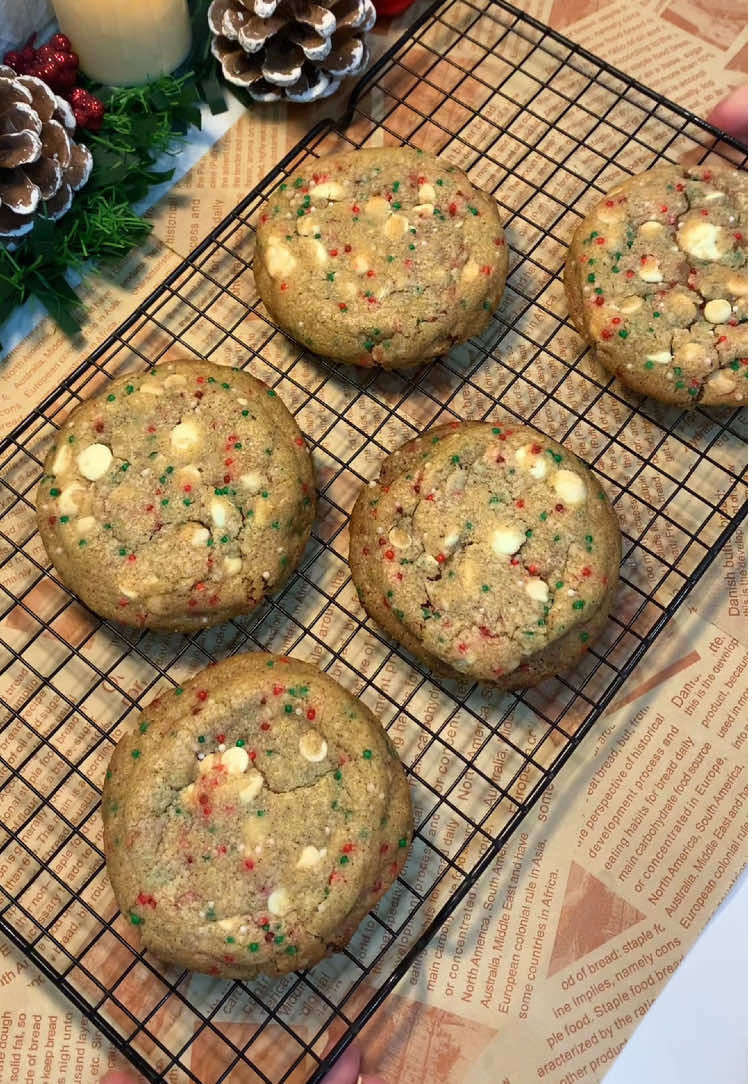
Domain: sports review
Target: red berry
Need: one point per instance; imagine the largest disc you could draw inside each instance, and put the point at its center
(45, 52)
(61, 59)
(81, 117)
(71, 60)
(66, 78)
(60, 41)
(28, 54)
(13, 60)
(96, 109)
(77, 96)
(48, 72)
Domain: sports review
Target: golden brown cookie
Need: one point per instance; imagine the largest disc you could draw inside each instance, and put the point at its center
(384, 257)
(178, 498)
(253, 818)
(657, 281)
(489, 551)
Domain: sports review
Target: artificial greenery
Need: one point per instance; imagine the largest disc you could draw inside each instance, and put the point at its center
(139, 125)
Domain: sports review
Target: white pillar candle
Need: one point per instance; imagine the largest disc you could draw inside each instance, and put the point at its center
(125, 42)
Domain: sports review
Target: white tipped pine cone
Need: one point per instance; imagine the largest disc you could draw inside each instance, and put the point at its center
(294, 49)
(41, 165)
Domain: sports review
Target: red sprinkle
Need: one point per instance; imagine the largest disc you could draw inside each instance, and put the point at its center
(131, 557)
(630, 274)
(333, 252)
(559, 508)
(390, 555)
(370, 274)
(586, 572)
(311, 713)
(599, 300)
(520, 503)
(202, 694)
(616, 320)
(441, 558)
(348, 248)
(600, 240)
(248, 863)
(606, 334)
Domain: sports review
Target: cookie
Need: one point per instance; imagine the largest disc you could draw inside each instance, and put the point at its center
(253, 817)
(488, 551)
(178, 498)
(381, 257)
(657, 281)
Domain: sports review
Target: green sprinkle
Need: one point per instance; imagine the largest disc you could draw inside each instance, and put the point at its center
(623, 333)
(64, 519)
(71, 439)
(402, 843)
(82, 542)
(484, 587)
(244, 413)
(657, 315)
(367, 754)
(473, 210)
(178, 690)
(165, 501)
(291, 950)
(110, 398)
(344, 860)
(260, 812)
(589, 538)
(143, 727)
(583, 637)
(338, 775)
(280, 938)
(543, 515)
(529, 532)
(253, 947)
(395, 185)
(272, 393)
(559, 584)
(592, 277)
(487, 305)
(54, 492)
(122, 551)
(229, 940)
(135, 753)
(129, 389)
(288, 709)
(496, 430)
(579, 604)
(240, 743)
(201, 739)
(396, 206)
(136, 920)
(187, 501)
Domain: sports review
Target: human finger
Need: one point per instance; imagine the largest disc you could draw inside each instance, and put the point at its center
(731, 114)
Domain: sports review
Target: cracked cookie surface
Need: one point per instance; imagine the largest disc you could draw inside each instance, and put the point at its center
(178, 498)
(489, 551)
(383, 257)
(253, 817)
(657, 281)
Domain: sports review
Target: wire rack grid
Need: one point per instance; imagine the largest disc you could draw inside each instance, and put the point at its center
(545, 127)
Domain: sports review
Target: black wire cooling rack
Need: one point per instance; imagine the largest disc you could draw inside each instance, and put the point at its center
(545, 127)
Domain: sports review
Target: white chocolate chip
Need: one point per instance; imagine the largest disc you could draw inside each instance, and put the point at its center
(661, 357)
(736, 283)
(377, 207)
(327, 190)
(279, 260)
(428, 564)
(254, 781)
(252, 481)
(315, 250)
(279, 902)
(699, 239)
(537, 464)
(630, 304)
(652, 228)
(713, 196)
(128, 593)
(152, 388)
(307, 224)
(310, 856)
(399, 538)
(360, 263)
(200, 537)
(232, 565)
(184, 437)
(235, 760)
(94, 461)
(426, 193)
(396, 226)
(538, 590)
(720, 383)
(60, 462)
(650, 271)
(218, 510)
(691, 354)
(85, 524)
(470, 271)
(717, 311)
(424, 210)
(507, 540)
(450, 541)
(681, 307)
(67, 505)
(569, 487)
(227, 924)
(312, 746)
(176, 380)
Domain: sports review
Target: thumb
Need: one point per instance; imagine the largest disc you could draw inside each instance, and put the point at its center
(346, 1067)
(731, 114)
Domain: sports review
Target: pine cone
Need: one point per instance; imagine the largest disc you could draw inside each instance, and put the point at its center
(294, 49)
(41, 166)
